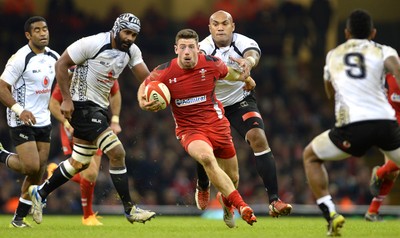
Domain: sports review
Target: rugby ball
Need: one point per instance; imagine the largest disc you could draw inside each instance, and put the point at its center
(157, 91)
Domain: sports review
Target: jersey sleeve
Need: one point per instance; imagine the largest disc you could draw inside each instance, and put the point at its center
(13, 70)
(83, 49)
(207, 45)
(389, 51)
(114, 88)
(245, 44)
(136, 56)
(57, 93)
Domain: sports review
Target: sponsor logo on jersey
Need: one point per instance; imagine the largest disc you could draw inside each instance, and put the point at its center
(46, 82)
(111, 74)
(172, 80)
(395, 97)
(95, 120)
(43, 91)
(190, 101)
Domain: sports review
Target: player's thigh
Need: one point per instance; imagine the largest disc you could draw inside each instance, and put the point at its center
(325, 149)
(43, 138)
(244, 116)
(43, 150)
(201, 151)
(89, 121)
(29, 156)
(24, 140)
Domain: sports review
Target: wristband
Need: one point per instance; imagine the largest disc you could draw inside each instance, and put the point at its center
(17, 108)
(251, 60)
(115, 119)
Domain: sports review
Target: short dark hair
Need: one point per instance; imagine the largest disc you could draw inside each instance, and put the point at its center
(360, 24)
(27, 26)
(187, 34)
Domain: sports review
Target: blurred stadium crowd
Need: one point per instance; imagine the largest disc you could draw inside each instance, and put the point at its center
(289, 92)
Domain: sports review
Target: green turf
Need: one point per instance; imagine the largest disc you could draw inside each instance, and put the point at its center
(186, 227)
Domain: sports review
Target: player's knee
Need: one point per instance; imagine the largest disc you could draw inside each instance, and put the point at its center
(76, 165)
(116, 156)
(235, 180)
(31, 169)
(257, 139)
(90, 175)
(206, 160)
(117, 153)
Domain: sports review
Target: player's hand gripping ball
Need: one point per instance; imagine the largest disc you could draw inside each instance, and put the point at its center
(158, 91)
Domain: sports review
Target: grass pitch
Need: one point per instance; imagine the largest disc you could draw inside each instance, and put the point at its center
(69, 226)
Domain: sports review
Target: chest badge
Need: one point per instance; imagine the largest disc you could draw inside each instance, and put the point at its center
(203, 74)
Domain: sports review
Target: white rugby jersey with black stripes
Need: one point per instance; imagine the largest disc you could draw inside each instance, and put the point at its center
(356, 71)
(230, 92)
(98, 66)
(31, 76)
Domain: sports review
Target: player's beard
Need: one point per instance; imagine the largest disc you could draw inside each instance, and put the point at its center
(39, 45)
(120, 44)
